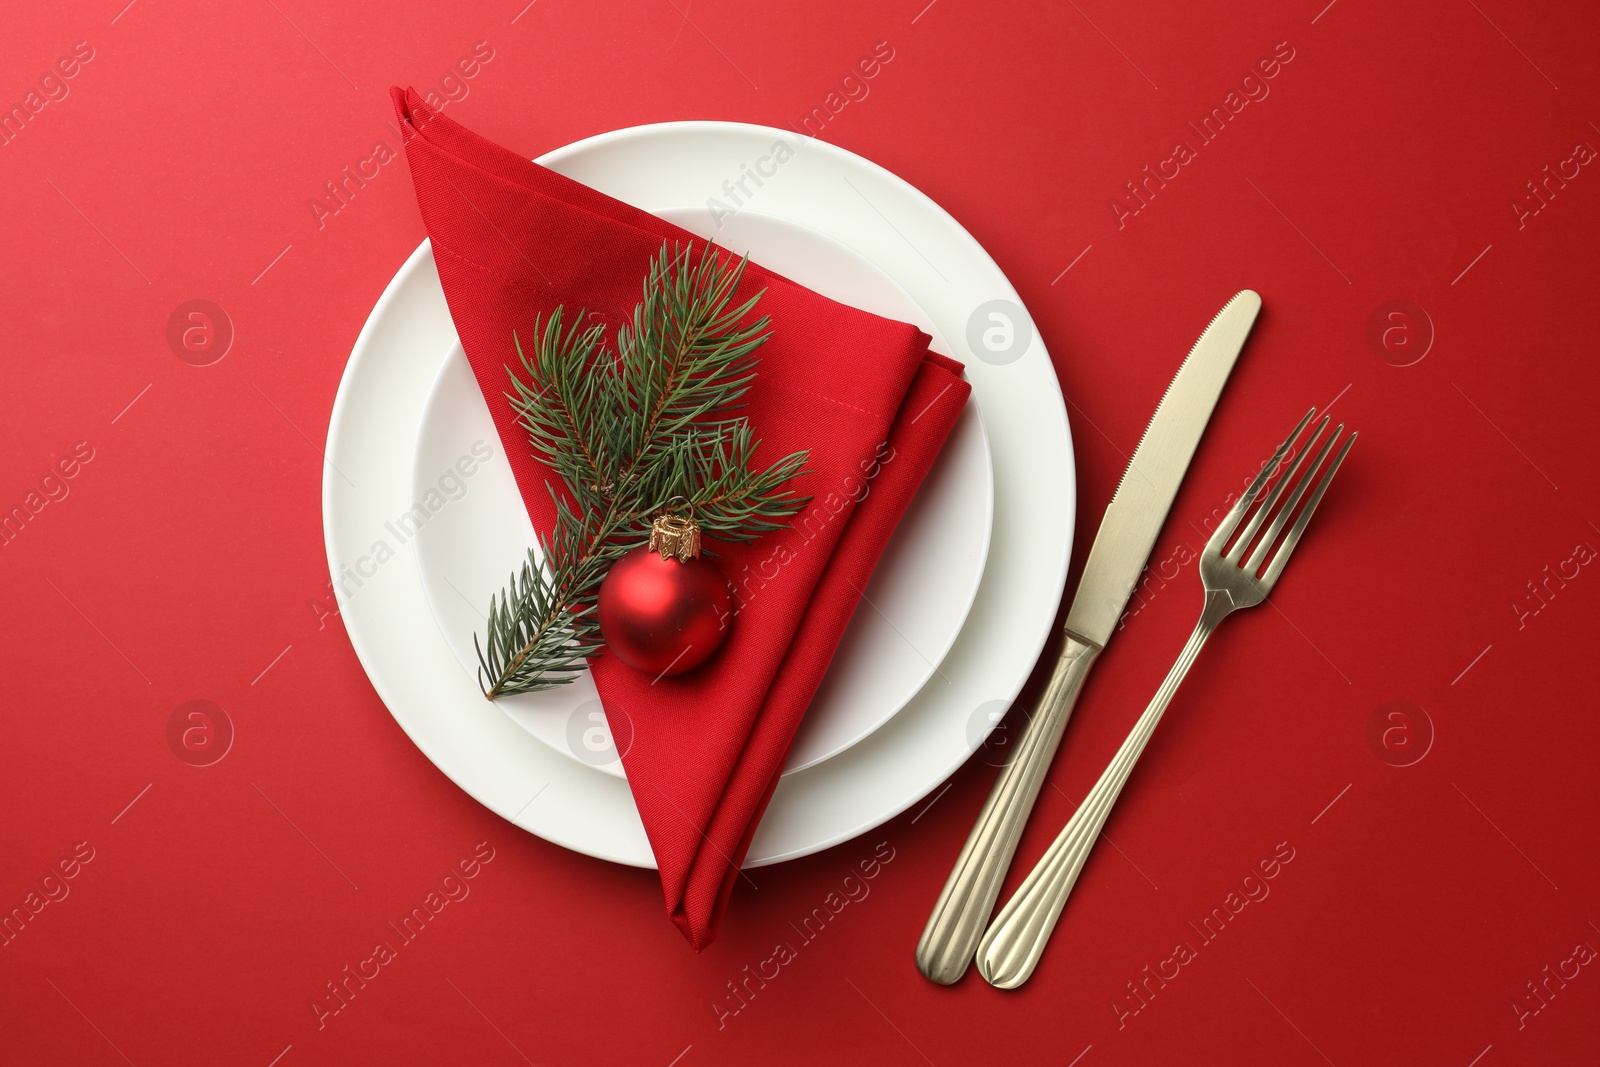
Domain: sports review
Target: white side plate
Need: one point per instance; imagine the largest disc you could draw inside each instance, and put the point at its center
(906, 623)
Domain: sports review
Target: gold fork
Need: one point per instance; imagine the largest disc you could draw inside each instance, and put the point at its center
(1011, 947)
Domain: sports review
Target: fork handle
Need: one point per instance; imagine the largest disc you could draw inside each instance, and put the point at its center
(1010, 949)
(967, 900)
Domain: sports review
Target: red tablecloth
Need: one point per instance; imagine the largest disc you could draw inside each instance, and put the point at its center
(1396, 182)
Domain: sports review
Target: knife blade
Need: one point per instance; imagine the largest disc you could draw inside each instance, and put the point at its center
(1139, 506)
(1132, 522)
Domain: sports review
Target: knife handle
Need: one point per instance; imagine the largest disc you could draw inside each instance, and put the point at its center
(962, 914)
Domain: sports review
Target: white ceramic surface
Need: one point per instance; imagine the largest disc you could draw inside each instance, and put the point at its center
(377, 418)
(480, 531)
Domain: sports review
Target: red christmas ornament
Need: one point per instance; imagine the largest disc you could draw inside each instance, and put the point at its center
(662, 609)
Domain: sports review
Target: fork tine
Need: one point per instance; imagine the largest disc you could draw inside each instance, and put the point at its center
(1230, 522)
(1304, 483)
(1299, 526)
(1265, 510)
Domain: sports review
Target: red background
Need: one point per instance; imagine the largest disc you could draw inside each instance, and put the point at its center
(186, 560)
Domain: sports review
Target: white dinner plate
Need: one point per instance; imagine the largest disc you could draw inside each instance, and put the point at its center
(368, 483)
(477, 530)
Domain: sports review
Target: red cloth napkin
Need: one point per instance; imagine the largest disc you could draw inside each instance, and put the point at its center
(512, 240)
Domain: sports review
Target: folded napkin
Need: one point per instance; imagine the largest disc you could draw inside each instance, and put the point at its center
(512, 240)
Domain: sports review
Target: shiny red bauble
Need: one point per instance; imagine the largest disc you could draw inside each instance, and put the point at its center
(662, 616)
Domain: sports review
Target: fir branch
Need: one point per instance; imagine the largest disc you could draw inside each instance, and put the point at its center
(632, 433)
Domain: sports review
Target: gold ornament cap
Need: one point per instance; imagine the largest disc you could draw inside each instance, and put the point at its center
(675, 537)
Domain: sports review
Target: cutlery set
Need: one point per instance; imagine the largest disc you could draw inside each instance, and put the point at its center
(1238, 567)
